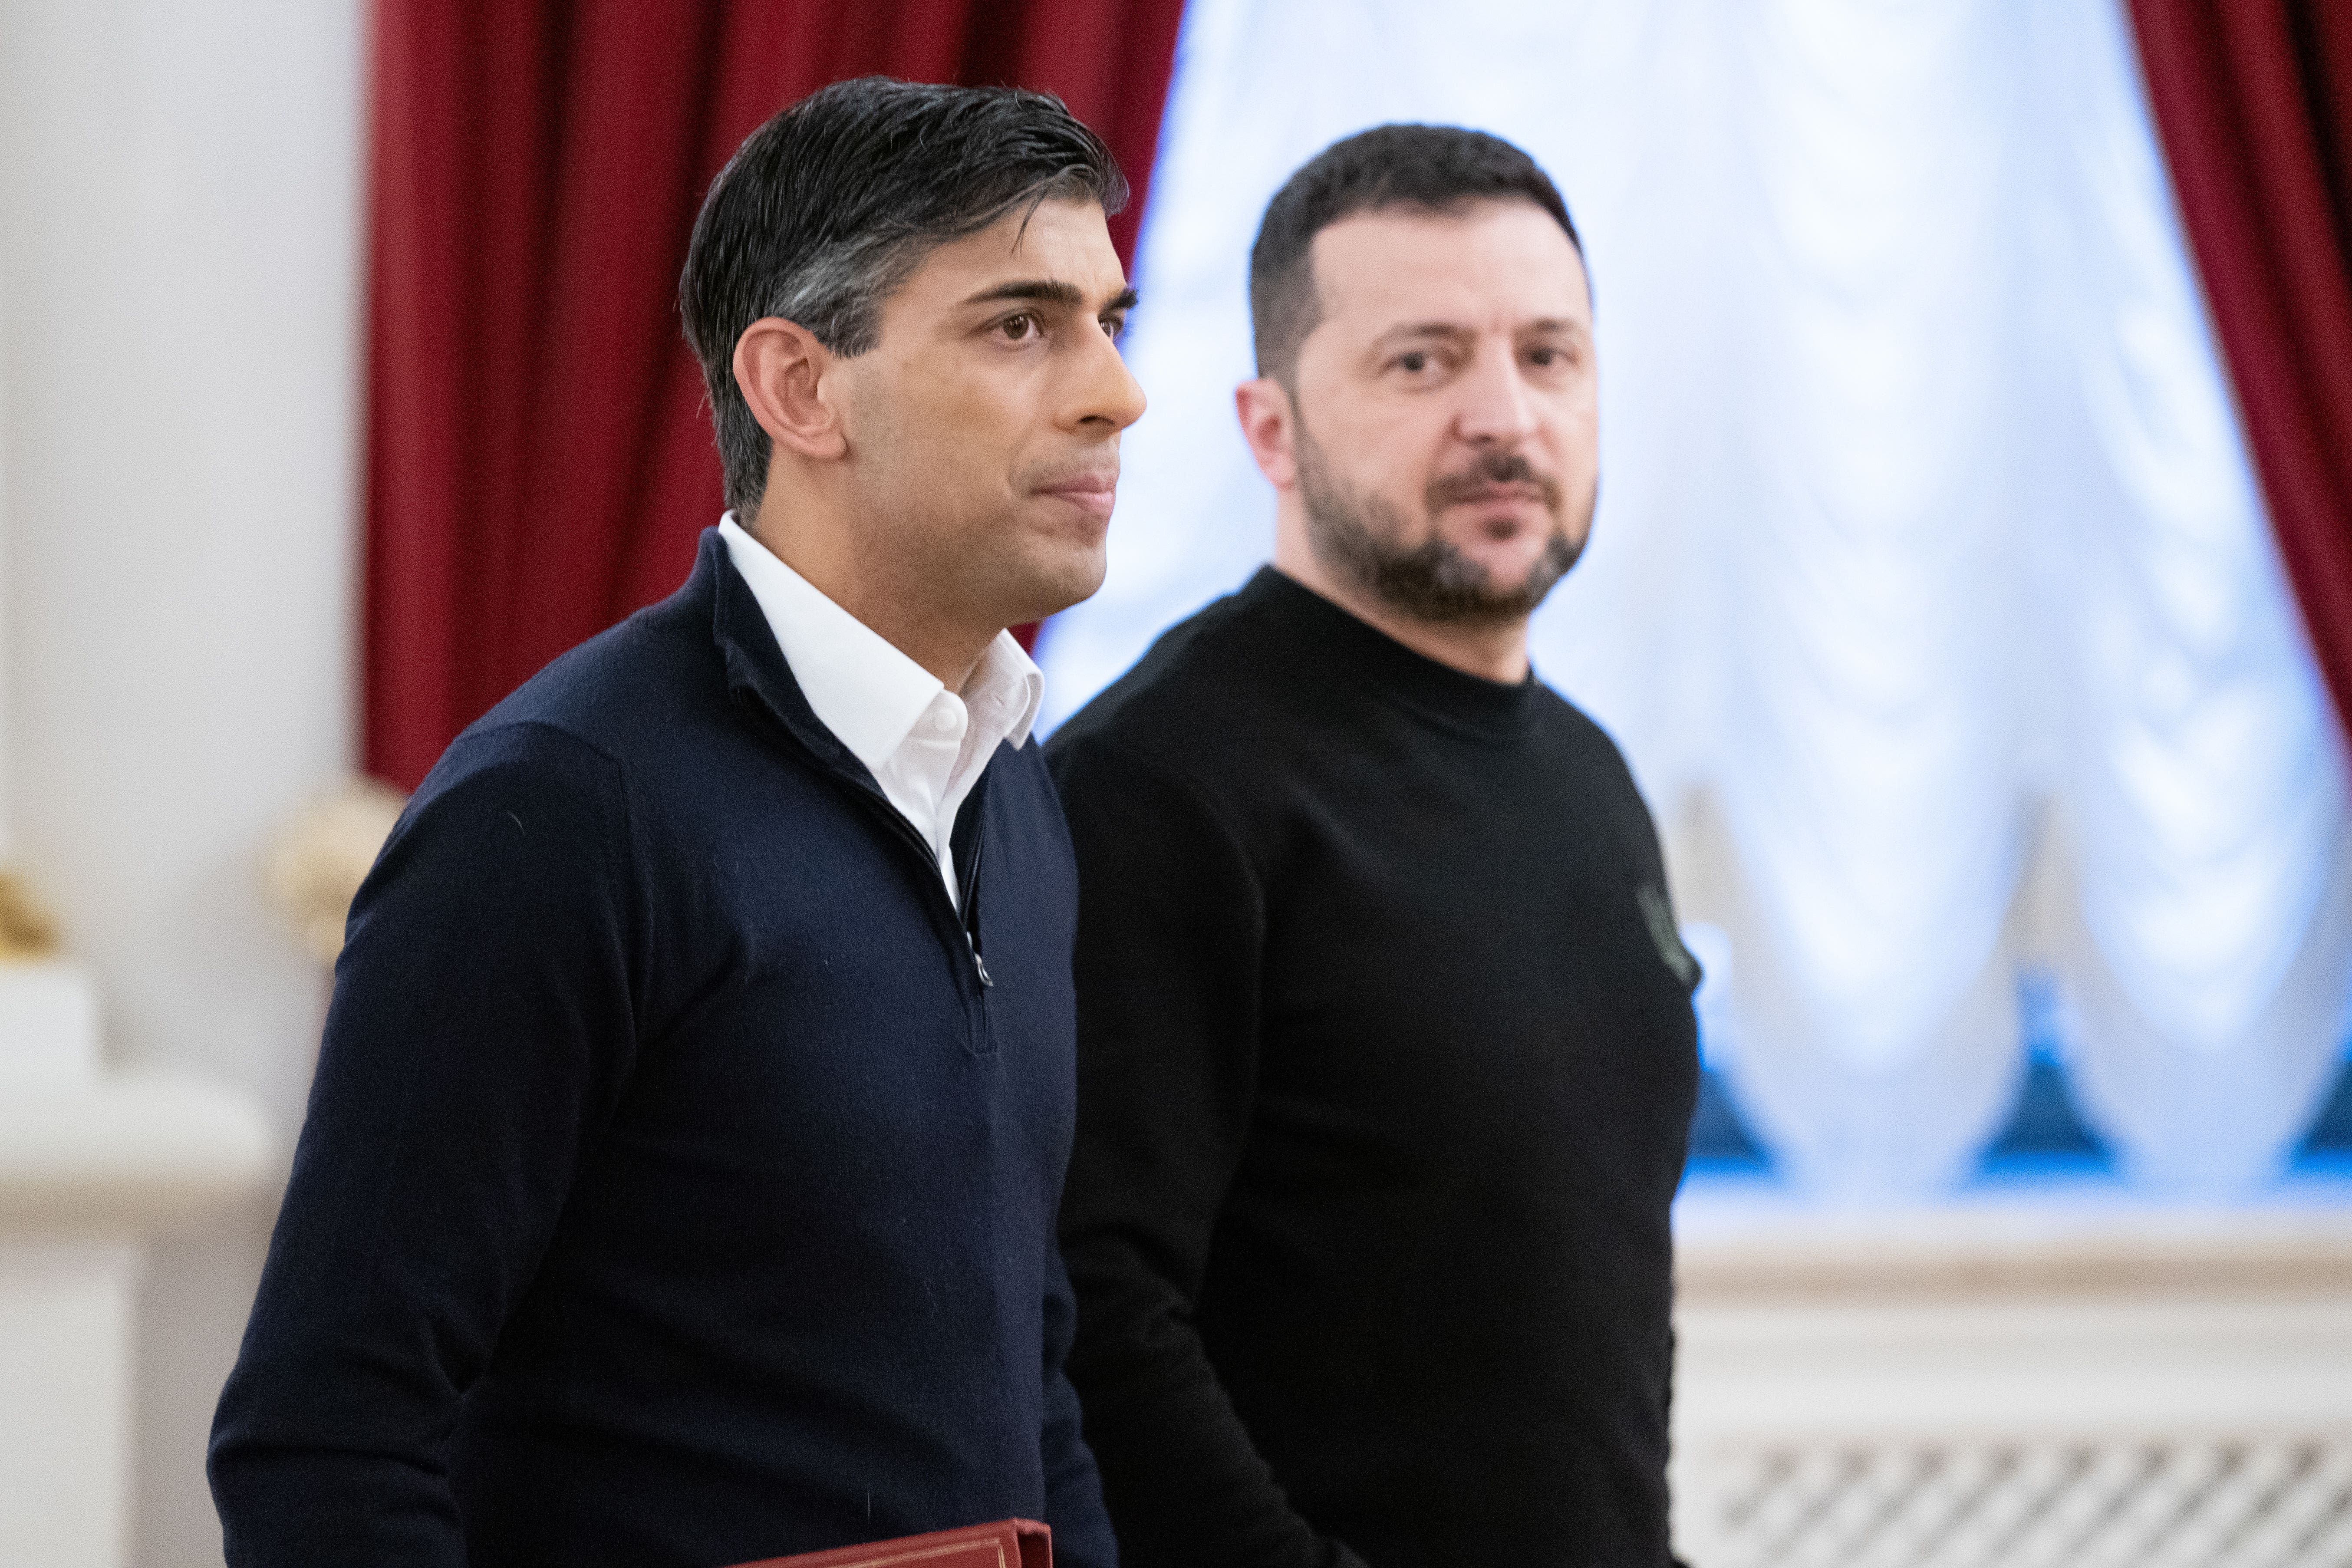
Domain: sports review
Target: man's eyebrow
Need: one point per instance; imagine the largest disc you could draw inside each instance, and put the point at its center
(1455, 330)
(1426, 329)
(1047, 291)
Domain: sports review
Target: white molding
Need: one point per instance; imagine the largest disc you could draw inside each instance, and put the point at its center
(2085, 1346)
(128, 1155)
(90, 1163)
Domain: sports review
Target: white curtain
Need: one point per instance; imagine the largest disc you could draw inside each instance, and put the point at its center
(1931, 596)
(2202, 782)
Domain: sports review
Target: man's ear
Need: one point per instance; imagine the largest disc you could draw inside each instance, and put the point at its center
(785, 375)
(1270, 425)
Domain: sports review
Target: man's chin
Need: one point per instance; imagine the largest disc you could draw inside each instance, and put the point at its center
(1471, 589)
(1510, 557)
(1053, 579)
(1506, 579)
(1522, 578)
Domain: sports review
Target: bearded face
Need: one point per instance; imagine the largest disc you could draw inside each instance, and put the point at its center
(1443, 424)
(1409, 564)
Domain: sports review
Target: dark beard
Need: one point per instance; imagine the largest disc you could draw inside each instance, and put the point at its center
(1433, 582)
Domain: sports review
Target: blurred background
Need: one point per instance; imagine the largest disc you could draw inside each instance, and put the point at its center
(1971, 593)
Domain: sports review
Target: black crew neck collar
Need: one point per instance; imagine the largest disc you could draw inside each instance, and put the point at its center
(1359, 652)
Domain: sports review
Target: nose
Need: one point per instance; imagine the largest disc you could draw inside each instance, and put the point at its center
(1108, 394)
(1496, 408)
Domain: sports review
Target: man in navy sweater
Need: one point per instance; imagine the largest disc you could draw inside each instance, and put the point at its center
(679, 1178)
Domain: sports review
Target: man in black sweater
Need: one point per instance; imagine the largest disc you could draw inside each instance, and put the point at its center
(679, 1178)
(1386, 1050)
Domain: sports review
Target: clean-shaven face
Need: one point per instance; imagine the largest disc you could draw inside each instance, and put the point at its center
(984, 424)
(1447, 436)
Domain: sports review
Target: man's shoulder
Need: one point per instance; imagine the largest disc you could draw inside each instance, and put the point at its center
(1586, 764)
(1182, 705)
(1560, 722)
(1559, 718)
(635, 690)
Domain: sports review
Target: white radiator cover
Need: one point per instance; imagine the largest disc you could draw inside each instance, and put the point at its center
(2070, 1380)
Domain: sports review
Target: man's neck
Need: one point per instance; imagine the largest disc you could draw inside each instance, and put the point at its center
(893, 609)
(1496, 653)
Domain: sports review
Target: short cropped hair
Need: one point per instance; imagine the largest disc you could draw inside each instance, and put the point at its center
(833, 204)
(1438, 168)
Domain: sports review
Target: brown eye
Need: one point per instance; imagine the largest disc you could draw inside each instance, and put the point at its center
(1017, 328)
(1413, 363)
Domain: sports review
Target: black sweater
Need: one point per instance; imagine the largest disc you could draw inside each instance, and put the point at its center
(1386, 1061)
(673, 1192)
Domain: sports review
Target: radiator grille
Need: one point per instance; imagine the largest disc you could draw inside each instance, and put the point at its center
(2276, 1502)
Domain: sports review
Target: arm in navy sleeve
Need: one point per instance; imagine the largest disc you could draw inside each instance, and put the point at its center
(1074, 1499)
(482, 1027)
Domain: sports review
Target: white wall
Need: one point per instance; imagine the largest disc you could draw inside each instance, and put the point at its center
(180, 200)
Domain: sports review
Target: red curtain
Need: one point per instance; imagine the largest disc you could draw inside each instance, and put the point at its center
(538, 463)
(2252, 101)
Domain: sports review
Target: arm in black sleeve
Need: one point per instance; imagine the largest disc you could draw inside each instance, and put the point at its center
(1171, 926)
(481, 1027)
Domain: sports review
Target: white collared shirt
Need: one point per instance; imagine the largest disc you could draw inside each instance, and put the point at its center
(925, 745)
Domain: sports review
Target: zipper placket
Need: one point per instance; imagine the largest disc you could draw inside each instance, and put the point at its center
(970, 913)
(967, 919)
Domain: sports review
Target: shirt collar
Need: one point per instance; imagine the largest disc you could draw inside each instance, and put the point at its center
(860, 685)
(1006, 690)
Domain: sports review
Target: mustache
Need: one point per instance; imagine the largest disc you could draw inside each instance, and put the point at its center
(1490, 469)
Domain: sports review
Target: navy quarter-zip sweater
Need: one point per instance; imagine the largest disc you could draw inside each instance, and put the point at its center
(674, 1191)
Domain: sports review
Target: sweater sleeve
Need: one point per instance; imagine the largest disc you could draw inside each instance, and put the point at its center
(481, 1026)
(1171, 924)
(1074, 1497)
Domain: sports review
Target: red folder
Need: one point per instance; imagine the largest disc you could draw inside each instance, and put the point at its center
(1007, 1543)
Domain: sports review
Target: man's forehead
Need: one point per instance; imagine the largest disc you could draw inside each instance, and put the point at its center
(1065, 242)
(1491, 258)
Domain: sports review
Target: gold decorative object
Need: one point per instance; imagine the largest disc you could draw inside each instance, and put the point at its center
(27, 931)
(319, 858)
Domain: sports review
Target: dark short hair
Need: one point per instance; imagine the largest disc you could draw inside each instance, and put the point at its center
(1439, 168)
(834, 203)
